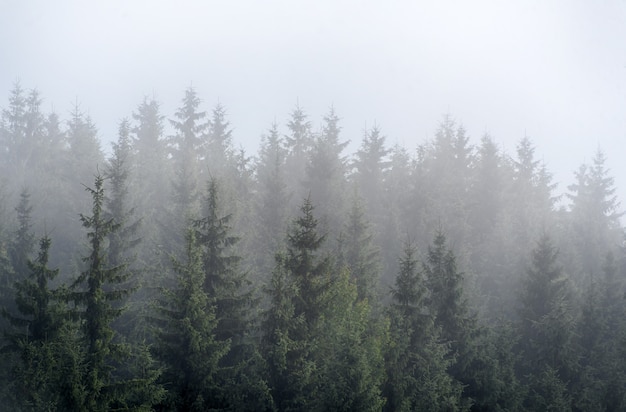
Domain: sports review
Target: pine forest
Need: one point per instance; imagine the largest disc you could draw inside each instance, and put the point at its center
(177, 271)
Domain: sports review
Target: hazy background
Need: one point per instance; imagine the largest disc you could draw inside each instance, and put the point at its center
(555, 71)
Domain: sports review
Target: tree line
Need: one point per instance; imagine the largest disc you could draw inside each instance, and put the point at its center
(177, 272)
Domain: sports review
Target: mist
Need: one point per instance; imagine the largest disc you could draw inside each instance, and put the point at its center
(312, 206)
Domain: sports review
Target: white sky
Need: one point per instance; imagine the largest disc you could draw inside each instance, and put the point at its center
(554, 70)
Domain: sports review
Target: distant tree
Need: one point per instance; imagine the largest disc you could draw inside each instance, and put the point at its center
(191, 135)
(595, 214)
(369, 165)
(298, 144)
(23, 245)
(359, 253)
(219, 150)
(123, 243)
(271, 200)
(325, 173)
(546, 320)
(453, 316)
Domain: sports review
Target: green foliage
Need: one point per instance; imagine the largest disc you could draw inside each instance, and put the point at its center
(186, 343)
(417, 361)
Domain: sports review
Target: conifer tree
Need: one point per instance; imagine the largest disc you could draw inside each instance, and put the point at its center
(358, 252)
(452, 314)
(42, 366)
(95, 293)
(325, 173)
(416, 360)
(546, 321)
(186, 344)
(123, 242)
(191, 134)
(298, 144)
(229, 292)
(24, 241)
(272, 199)
(299, 296)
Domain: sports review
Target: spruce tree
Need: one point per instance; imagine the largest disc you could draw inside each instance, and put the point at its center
(229, 292)
(42, 366)
(24, 241)
(95, 294)
(546, 320)
(416, 360)
(186, 343)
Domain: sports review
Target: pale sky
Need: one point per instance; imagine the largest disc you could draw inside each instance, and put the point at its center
(553, 70)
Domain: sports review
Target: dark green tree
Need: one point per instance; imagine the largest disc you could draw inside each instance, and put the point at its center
(95, 294)
(23, 244)
(123, 242)
(417, 361)
(452, 314)
(42, 366)
(546, 320)
(229, 291)
(186, 343)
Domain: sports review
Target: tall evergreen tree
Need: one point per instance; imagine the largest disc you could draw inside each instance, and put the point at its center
(191, 134)
(417, 360)
(45, 366)
(95, 294)
(186, 343)
(451, 311)
(359, 253)
(24, 240)
(546, 321)
(325, 173)
(229, 291)
(272, 199)
(595, 214)
(298, 144)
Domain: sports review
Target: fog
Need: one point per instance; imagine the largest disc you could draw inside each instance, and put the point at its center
(320, 206)
(554, 71)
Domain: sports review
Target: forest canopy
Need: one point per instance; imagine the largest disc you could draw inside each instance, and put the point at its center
(177, 271)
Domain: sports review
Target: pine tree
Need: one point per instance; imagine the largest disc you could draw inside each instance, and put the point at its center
(298, 144)
(325, 173)
(95, 293)
(369, 167)
(348, 348)
(416, 359)
(299, 297)
(546, 320)
(228, 290)
(24, 241)
(452, 313)
(186, 344)
(359, 254)
(41, 368)
(191, 133)
(595, 214)
(123, 242)
(271, 201)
